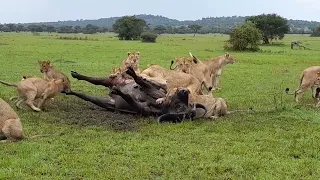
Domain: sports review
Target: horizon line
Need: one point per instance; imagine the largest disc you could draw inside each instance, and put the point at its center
(147, 14)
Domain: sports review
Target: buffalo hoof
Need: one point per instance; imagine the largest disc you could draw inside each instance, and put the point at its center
(67, 92)
(115, 90)
(130, 72)
(76, 75)
(169, 118)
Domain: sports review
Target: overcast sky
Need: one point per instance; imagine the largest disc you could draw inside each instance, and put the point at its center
(20, 11)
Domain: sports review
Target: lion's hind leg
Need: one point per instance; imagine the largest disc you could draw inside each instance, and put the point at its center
(302, 89)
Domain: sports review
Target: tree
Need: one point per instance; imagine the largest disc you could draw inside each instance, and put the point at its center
(6, 29)
(1, 27)
(244, 37)
(20, 28)
(160, 29)
(12, 27)
(35, 28)
(77, 29)
(129, 27)
(65, 29)
(51, 29)
(271, 25)
(91, 29)
(316, 32)
(103, 29)
(195, 28)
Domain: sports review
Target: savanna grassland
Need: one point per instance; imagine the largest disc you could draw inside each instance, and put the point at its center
(278, 140)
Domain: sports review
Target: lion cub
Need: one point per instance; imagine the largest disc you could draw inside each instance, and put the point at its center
(31, 89)
(132, 61)
(50, 72)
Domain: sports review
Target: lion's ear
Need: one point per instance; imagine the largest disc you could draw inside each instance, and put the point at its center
(128, 53)
(138, 53)
(48, 62)
(39, 62)
(227, 55)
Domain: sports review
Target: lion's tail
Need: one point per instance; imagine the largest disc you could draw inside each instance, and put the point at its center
(44, 135)
(8, 84)
(294, 93)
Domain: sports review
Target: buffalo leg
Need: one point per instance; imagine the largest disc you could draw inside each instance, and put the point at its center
(104, 102)
(106, 81)
(150, 88)
(142, 108)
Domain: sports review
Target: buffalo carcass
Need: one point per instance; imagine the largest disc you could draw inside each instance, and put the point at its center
(138, 96)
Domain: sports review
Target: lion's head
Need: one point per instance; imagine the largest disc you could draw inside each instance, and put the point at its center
(132, 60)
(228, 59)
(183, 64)
(44, 66)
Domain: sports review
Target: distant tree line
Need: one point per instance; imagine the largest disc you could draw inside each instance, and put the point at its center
(89, 29)
(92, 29)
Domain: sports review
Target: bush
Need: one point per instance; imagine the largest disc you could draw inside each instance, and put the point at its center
(148, 37)
(244, 37)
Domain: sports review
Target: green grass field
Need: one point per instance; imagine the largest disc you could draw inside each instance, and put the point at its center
(281, 140)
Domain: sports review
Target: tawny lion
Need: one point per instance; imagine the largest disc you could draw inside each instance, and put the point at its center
(30, 89)
(173, 79)
(310, 78)
(215, 67)
(216, 107)
(50, 72)
(193, 66)
(132, 61)
(10, 125)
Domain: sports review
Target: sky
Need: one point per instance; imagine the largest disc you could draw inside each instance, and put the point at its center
(22, 11)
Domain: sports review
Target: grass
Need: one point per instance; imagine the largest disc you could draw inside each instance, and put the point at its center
(278, 141)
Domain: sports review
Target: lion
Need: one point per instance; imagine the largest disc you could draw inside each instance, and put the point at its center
(194, 67)
(10, 125)
(50, 72)
(132, 61)
(31, 89)
(215, 106)
(216, 65)
(173, 79)
(310, 78)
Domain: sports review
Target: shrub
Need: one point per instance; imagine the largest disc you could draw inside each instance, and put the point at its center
(148, 37)
(244, 37)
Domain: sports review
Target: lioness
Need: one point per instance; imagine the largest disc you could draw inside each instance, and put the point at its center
(10, 125)
(215, 67)
(30, 89)
(50, 72)
(310, 78)
(215, 107)
(173, 79)
(194, 67)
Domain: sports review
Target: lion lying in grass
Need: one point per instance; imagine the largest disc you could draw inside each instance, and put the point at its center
(216, 107)
(10, 125)
(173, 79)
